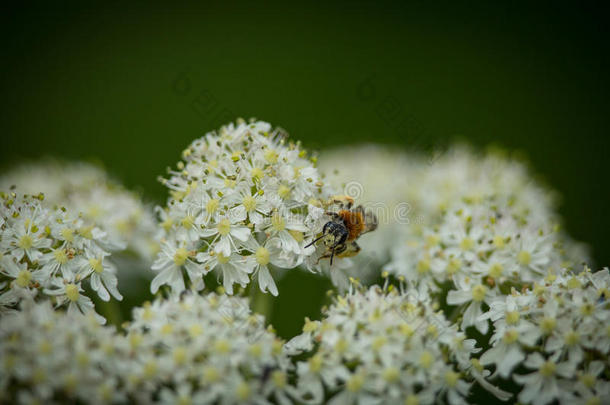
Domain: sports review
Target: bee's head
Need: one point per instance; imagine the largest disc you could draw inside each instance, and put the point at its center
(335, 233)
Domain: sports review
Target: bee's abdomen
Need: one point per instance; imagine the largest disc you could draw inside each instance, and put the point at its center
(354, 222)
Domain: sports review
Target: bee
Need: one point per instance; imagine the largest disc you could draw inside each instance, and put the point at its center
(339, 235)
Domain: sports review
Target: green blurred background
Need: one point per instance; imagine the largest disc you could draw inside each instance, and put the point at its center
(131, 85)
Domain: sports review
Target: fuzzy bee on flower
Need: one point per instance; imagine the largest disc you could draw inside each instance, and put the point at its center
(346, 225)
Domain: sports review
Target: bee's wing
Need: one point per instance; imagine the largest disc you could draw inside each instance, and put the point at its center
(370, 219)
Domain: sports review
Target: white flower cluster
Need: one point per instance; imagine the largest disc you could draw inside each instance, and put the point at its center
(209, 349)
(49, 253)
(52, 357)
(476, 222)
(86, 189)
(200, 350)
(484, 238)
(559, 330)
(243, 199)
(384, 346)
(487, 228)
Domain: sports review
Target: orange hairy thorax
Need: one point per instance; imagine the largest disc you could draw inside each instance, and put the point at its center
(354, 221)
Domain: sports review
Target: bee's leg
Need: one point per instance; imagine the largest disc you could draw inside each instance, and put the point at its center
(333, 214)
(326, 255)
(350, 249)
(335, 250)
(340, 248)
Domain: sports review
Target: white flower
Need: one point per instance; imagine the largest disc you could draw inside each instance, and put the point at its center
(50, 253)
(85, 189)
(548, 329)
(261, 258)
(23, 236)
(401, 347)
(102, 273)
(235, 269)
(51, 354)
(228, 234)
(171, 260)
(542, 386)
(71, 292)
(475, 296)
(237, 189)
(462, 213)
(207, 348)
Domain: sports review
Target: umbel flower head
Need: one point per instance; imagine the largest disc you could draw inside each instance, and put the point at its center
(244, 198)
(198, 349)
(209, 349)
(51, 356)
(558, 330)
(412, 193)
(87, 190)
(476, 224)
(386, 346)
(50, 253)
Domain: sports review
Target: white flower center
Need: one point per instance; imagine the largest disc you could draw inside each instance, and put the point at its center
(72, 292)
(188, 221)
(60, 256)
(283, 191)
(478, 292)
(495, 270)
(426, 359)
(262, 256)
(391, 374)
(96, 265)
(23, 278)
(224, 227)
(243, 391)
(524, 257)
(355, 383)
(222, 259)
(271, 156)
(454, 265)
(279, 378)
(25, 242)
(257, 173)
(547, 369)
(249, 203)
(467, 243)
(423, 266)
(510, 336)
(212, 206)
(67, 234)
(180, 256)
(548, 325)
(452, 378)
(512, 317)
